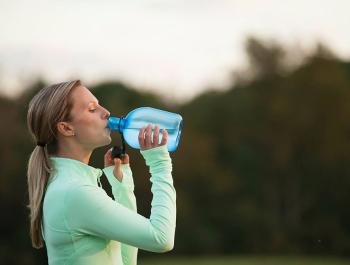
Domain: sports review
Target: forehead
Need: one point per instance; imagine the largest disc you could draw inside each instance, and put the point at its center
(81, 97)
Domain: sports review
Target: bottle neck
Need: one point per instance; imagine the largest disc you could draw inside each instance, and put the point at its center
(116, 124)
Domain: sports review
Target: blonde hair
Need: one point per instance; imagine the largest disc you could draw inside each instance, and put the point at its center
(49, 106)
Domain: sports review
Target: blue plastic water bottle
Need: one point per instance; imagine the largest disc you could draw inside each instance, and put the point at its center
(130, 126)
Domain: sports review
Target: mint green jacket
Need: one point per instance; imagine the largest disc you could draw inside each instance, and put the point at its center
(82, 225)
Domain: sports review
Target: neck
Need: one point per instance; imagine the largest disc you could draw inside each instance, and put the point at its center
(74, 151)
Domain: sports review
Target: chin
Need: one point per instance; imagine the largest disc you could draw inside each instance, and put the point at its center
(105, 142)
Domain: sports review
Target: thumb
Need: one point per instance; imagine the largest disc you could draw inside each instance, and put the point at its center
(117, 169)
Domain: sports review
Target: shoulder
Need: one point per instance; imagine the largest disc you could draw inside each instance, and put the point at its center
(83, 197)
(78, 191)
(83, 202)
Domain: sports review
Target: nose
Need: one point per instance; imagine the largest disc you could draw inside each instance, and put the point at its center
(106, 114)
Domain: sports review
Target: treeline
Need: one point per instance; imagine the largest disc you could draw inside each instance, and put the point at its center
(262, 167)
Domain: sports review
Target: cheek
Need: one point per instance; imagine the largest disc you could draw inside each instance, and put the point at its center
(86, 127)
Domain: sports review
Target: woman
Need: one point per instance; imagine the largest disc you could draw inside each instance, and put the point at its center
(69, 210)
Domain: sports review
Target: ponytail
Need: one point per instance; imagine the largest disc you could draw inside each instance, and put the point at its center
(38, 173)
(49, 106)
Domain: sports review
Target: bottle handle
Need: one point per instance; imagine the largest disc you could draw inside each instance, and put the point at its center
(119, 151)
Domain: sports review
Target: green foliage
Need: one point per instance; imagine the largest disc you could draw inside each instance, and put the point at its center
(261, 168)
(283, 142)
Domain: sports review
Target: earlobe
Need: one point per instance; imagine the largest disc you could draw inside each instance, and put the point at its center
(65, 129)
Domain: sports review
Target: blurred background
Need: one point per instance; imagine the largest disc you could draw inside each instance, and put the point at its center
(262, 170)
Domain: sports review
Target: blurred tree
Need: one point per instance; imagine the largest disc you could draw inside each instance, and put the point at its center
(266, 60)
(261, 167)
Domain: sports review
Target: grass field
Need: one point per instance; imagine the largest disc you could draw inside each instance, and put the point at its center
(246, 260)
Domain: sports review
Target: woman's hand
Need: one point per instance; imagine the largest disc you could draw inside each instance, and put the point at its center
(146, 134)
(117, 171)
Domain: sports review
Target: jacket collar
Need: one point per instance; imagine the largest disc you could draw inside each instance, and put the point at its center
(77, 169)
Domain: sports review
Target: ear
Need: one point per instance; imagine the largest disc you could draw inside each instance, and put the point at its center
(65, 128)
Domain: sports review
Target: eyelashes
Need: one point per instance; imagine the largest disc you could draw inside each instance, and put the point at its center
(98, 108)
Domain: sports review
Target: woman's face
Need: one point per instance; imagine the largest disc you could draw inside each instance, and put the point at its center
(89, 119)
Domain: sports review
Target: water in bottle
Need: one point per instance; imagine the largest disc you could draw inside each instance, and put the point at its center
(130, 126)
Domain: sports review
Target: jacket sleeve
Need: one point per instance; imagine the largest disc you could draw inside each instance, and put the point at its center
(123, 193)
(90, 210)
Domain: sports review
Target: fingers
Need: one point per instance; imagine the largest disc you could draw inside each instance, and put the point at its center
(141, 138)
(108, 158)
(109, 161)
(165, 137)
(108, 154)
(118, 173)
(148, 134)
(126, 159)
(117, 162)
(156, 135)
(145, 137)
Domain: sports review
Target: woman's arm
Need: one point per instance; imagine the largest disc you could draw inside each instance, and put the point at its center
(123, 193)
(90, 210)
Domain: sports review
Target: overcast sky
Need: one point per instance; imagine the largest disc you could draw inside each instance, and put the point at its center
(175, 47)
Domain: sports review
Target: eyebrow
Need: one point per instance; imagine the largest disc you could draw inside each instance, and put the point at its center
(96, 102)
